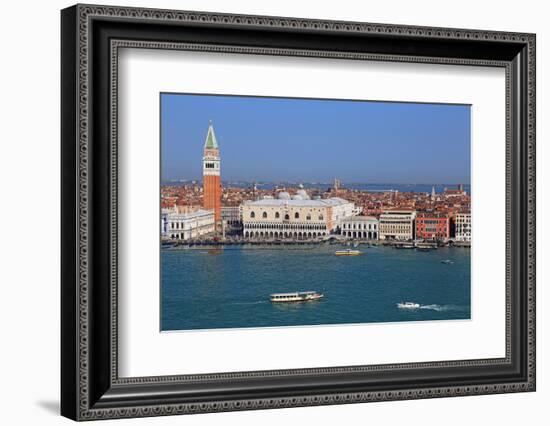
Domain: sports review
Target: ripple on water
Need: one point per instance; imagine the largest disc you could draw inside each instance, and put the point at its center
(231, 289)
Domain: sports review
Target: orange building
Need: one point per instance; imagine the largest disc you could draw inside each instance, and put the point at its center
(211, 180)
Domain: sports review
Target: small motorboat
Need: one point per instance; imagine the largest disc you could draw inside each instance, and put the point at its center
(408, 305)
(447, 262)
(347, 252)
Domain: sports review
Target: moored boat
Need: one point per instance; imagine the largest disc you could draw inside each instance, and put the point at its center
(404, 246)
(298, 296)
(347, 252)
(426, 246)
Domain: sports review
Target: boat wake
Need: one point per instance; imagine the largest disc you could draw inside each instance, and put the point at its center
(249, 303)
(442, 308)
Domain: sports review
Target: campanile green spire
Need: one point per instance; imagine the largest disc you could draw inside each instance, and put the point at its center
(211, 142)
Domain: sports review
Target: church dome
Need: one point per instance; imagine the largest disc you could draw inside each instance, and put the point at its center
(283, 196)
(303, 194)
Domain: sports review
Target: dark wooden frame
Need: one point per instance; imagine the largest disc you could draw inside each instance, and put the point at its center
(90, 386)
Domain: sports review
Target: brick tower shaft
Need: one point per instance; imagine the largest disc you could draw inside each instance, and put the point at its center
(211, 175)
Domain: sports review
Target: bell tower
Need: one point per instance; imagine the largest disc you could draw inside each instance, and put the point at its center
(211, 179)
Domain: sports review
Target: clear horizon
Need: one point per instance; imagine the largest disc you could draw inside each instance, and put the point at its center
(315, 141)
(319, 182)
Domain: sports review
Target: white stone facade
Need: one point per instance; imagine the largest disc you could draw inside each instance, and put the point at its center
(231, 215)
(295, 217)
(185, 226)
(361, 227)
(341, 210)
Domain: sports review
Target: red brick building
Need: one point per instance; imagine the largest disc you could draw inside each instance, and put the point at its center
(430, 227)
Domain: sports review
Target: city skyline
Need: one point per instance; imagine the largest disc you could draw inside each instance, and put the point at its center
(355, 141)
(275, 232)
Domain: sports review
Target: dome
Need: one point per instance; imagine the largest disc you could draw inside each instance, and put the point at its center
(283, 196)
(302, 193)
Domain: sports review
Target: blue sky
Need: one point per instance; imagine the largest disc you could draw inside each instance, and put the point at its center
(309, 140)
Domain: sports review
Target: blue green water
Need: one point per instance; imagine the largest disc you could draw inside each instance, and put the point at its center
(230, 287)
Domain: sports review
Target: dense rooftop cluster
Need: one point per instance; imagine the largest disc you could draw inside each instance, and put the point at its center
(449, 202)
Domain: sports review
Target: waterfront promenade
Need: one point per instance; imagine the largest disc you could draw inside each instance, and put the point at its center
(331, 240)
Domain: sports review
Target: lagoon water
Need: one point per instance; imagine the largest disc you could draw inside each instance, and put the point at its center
(230, 287)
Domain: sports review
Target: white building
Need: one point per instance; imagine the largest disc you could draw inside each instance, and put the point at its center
(231, 215)
(164, 221)
(463, 227)
(363, 227)
(185, 226)
(341, 210)
(231, 220)
(296, 217)
(397, 224)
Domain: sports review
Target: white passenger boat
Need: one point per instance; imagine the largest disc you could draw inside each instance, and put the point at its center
(298, 296)
(408, 305)
(425, 246)
(404, 246)
(347, 252)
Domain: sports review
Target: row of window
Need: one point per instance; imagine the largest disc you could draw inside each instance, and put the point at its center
(176, 225)
(272, 234)
(287, 216)
(359, 226)
(430, 221)
(354, 234)
(282, 226)
(392, 222)
(187, 235)
(432, 230)
(180, 225)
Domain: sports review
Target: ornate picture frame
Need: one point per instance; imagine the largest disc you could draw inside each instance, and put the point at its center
(91, 37)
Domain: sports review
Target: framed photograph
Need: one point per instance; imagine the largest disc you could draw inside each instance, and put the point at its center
(263, 212)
